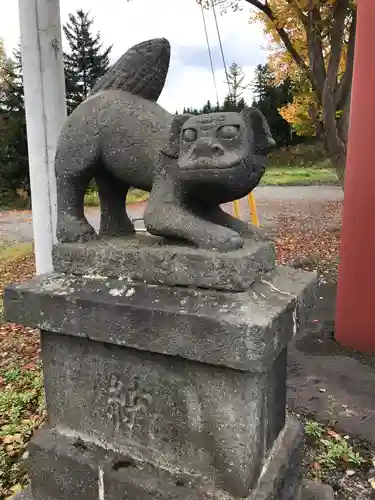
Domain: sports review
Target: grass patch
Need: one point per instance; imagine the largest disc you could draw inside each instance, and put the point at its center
(305, 154)
(22, 411)
(331, 450)
(338, 460)
(299, 176)
(134, 196)
(11, 253)
(10, 200)
(92, 199)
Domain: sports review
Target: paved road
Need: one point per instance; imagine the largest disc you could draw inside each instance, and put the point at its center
(291, 193)
(272, 202)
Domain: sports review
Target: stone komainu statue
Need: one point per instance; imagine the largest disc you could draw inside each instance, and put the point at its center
(122, 138)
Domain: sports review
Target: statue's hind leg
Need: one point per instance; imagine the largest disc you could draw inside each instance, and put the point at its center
(72, 180)
(112, 193)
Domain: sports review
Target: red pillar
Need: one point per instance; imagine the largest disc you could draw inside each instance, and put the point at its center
(355, 309)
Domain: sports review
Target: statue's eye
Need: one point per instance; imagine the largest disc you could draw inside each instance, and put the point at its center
(228, 131)
(189, 135)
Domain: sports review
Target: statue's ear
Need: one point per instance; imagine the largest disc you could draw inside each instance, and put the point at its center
(172, 148)
(262, 137)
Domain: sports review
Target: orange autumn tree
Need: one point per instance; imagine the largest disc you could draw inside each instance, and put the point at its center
(304, 113)
(312, 41)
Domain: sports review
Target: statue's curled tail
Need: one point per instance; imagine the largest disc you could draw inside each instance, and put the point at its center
(142, 70)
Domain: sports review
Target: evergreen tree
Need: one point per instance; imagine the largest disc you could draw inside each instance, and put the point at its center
(269, 98)
(241, 104)
(190, 111)
(206, 109)
(87, 60)
(227, 105)
(14, 167)
(262, 83)
(236, 82)
(12, 96)
(209, 108)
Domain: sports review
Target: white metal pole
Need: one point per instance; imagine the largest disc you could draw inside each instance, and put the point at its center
(44, 86)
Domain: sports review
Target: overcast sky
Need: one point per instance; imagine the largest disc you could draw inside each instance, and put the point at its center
(190, 80)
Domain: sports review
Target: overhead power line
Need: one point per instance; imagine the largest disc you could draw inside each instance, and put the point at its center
(210, 54)
(220, 44)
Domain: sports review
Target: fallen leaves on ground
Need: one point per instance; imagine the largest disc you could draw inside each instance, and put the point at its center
(22, 411)
(308, 236)
(21, 383)
(319, 251)
(20, 269)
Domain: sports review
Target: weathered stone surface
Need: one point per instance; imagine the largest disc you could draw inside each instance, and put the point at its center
(157, 392)
(310, 491)
(189, 164)
(276, 398)
(61, 469)
(192, 416)
(316, 491)
(153, 260)
(184, 379)
(245, 331)
(65, 467)
(281, 474)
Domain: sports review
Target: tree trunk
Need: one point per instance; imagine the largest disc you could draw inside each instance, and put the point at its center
(342, 134)
(336, 148)
(337, 154)
(332, 94)
(335, 130)
(339, 163)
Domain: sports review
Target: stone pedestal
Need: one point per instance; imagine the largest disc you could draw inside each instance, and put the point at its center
(157, 391)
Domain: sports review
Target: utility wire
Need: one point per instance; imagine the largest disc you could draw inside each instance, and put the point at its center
(210, 55)
(221, 45)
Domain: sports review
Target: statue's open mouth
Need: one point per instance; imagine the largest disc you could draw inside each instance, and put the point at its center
(210, 164)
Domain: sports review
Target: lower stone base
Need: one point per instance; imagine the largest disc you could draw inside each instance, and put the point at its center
(68, 468)
(310, 491)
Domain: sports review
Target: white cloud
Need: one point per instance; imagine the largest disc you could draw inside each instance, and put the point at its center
(123, 24)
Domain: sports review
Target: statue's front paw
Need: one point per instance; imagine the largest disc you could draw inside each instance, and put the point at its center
(224, 240)
(72, 230)
(253, 232)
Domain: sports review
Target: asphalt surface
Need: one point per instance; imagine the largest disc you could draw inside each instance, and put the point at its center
(16, 227)
(327, 380)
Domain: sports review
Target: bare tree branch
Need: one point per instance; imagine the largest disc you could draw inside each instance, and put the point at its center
(315, 49)
(343, 122)
(334, 141)
(334, 32)
(345, 84)
(339, 15)
(265, 8)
